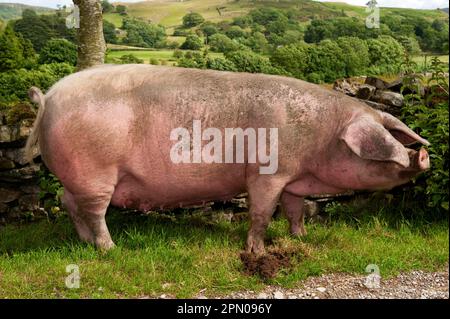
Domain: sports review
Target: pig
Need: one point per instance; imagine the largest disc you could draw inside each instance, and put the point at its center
(105, 133)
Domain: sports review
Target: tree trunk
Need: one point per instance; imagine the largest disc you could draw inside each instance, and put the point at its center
(91, 43)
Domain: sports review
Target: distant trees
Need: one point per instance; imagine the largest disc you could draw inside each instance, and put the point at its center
(385, 53)
(57, 51)
(109, 31)
(192, 19)
(121, 9)
(41, 28)
(192, 42)
(140, 33)
(221, 43)
(107, 7)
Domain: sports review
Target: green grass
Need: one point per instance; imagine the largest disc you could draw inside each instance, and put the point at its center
(146, 55)
(158, 255)
(420, 60)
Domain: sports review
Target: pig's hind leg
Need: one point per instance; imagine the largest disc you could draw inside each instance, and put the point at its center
(293, 207)
(87, 205)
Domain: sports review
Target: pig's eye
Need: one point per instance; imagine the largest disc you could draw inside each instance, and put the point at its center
(403, 138)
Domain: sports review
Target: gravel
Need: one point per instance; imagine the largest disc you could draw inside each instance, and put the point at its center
(411, 285)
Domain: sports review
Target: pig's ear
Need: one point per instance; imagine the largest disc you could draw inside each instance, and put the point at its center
(400, 131)
(370, 140)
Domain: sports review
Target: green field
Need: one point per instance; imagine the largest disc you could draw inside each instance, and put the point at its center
(170, 13)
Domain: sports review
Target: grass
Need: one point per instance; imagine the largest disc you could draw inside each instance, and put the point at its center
(146, 55)
(158, 254)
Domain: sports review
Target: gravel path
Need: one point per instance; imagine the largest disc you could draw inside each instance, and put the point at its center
(412, 285)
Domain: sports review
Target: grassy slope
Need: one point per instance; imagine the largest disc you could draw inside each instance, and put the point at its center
(157, 255)
(170, 13)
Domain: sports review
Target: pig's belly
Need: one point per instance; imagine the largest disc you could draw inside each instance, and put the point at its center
(157, 192)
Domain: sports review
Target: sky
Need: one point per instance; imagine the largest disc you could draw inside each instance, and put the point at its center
(418, 4)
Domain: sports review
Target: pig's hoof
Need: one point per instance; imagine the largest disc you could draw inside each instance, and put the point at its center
(255, 246)
(105, 245)
(298, 232)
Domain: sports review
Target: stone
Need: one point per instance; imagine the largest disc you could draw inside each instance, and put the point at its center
(8, 134)
(388, 98)
(376, 82)
(30, 189)
(20, 175)
(8, 195)
(365, 92)
(6, 164)
(29, 202)
(3, 208)
(311, 208)
(18, 155)
(346, 86)
(262, 295)
(278, 295)
(321, 289)
(25, 128)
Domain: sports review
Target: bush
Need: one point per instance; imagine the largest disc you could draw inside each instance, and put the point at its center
(386, 54)
(327, 60)
(220, 64)
(192, 42)
(58, 51)
(235, 32)
(221, 43)
(109, 32)
(356, 55)
(431, 120)
(140, 33)
(130, 59)
(293, 58)
(247, 61)
(154, 61)
(14, 85)
(192, 20)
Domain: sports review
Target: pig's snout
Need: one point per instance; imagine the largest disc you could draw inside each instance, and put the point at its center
(419, 159)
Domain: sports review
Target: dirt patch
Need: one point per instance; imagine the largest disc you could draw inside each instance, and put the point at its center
(268, 265)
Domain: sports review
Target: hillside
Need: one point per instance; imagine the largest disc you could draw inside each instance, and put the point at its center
(170, 12)
(10, 11)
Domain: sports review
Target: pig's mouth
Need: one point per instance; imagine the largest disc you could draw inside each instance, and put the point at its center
(419, 161)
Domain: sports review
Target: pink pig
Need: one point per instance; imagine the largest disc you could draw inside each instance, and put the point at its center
(105, 133)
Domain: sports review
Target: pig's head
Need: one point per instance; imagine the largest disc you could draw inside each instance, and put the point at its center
(372, 153)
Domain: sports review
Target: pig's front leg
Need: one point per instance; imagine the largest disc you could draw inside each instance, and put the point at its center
(264, 192)
(294, 210)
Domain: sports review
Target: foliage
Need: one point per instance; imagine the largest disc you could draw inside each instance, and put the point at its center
(51, 191)
(248, 61)
(410, 44)
(107, 7)
(20, 111)
(430, 118)
(355, 55)
(109, 32)
(386, 54)
(11, 53)
(192, 42)
(192, 19)
(41, 28)
(221, 43)
(220, 64)
(140, 33)
(293, 58)
(57, 51)
(14, 84)
(122, 9)
(130, 59)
